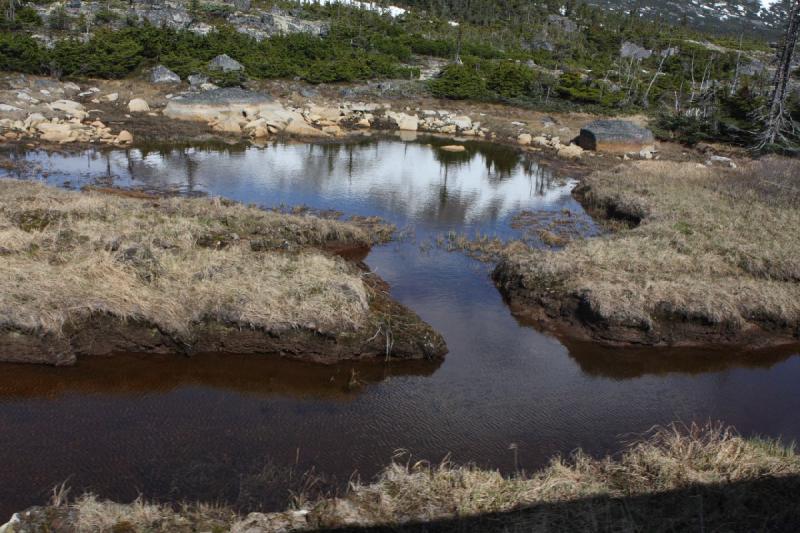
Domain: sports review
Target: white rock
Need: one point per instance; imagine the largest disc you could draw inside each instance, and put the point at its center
(228, 125)
(138, 105)
(524, 139)
(124, 137)
(461, 122)
(541, 141)
(111, 97)
(572, 151)
(59, 133)
(403, 121)
(301, 128)
(33, 120)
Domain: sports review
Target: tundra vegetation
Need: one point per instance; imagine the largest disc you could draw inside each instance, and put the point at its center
(550, 55)
(674, 477)
(710, 255)
(94, 273)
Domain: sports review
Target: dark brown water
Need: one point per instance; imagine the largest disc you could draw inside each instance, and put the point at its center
(243, 430)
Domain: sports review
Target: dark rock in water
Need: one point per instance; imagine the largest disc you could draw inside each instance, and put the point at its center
(225, 63)
(618, 136)
(162, 74)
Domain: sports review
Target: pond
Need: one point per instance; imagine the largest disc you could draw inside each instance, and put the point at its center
(244, 430)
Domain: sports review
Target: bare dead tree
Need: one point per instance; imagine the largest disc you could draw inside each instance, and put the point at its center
(778, 126)
(735, 84)
(664, 55)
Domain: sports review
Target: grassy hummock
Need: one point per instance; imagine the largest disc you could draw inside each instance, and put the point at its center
(187, 274)
(673, 478)
(710, 255)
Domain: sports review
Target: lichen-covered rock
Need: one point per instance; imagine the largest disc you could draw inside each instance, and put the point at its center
(616, 136)
(225, 63)
(162, 74)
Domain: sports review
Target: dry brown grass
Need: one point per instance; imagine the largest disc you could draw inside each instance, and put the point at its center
(170, 262)
(667, 459)
(714, 247)
(674, 460)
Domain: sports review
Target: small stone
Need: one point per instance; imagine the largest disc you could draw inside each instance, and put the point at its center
(138, 105)
(124, 137)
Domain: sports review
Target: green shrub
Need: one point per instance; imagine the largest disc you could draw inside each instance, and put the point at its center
(459, 82)
(510, 80)
(21, 53)
(28, 16)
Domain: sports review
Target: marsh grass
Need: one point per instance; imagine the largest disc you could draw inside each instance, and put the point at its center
(170, 262)
(716, 247)
(676, 459)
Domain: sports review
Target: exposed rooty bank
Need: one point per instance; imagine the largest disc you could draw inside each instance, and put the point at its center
(92, 273)
(709, 255)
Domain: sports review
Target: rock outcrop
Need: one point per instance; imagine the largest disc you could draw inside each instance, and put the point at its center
(225, 63)
(162, 74)
(615, 136)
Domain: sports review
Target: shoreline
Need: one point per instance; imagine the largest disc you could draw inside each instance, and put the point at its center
(177, 288)
(560, 299)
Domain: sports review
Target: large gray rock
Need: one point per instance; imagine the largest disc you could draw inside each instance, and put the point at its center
(616, 136)
(162, 74)
(220, 104)
(196, 80)
(225, 63)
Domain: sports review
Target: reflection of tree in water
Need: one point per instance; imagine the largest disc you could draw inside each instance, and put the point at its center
(500, 162)
(541, 179)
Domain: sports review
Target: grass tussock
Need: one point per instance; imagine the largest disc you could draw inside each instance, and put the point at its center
(713, 247)
(170, 262)
(677, 459)
(669, 458)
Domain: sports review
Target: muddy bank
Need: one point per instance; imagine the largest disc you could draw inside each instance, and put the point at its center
(703, 257)
(96, 274)
(393, 332)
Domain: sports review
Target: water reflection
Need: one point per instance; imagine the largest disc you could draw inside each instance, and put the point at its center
(136, 374)
(635, 362)
(415, 183)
